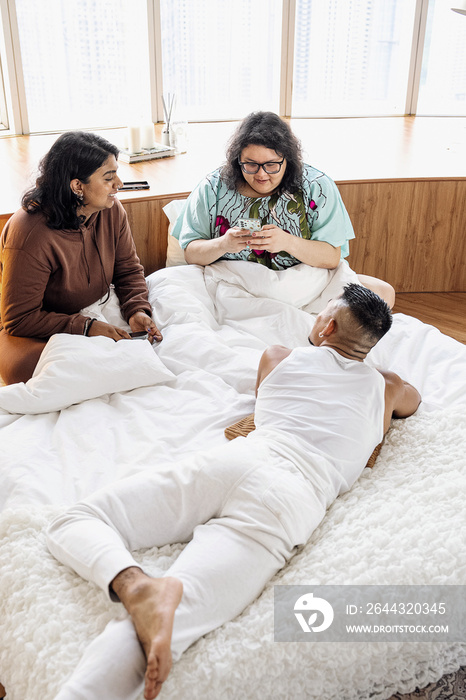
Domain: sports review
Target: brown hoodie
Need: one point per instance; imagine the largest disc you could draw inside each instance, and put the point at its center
(49, 275)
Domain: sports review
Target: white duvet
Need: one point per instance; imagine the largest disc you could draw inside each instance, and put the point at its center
(150, 405)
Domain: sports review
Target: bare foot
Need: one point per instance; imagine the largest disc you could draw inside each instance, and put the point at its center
(151, 602)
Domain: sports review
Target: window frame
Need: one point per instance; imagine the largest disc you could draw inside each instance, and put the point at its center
(4, 126)
(13, 105)
(9, 103)
(417, 52)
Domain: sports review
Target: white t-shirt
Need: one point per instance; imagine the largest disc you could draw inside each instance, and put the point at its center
(333, 405)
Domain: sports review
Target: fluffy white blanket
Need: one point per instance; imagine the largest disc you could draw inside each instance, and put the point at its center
(402, 523)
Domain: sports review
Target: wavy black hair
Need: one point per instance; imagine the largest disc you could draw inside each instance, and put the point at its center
(75, 154)
(371, 311)
(269, 130)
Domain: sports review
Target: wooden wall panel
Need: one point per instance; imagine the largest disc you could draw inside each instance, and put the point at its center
(149, 227)
(412, 234)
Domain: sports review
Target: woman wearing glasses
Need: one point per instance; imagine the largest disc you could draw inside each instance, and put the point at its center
(302, 216)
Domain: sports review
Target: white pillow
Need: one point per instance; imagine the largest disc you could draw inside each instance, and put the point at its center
(74, 368)
(175, 253)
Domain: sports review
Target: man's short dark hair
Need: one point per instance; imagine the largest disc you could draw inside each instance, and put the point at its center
(370, 310)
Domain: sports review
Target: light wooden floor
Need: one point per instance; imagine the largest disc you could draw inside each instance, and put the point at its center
(444, 310)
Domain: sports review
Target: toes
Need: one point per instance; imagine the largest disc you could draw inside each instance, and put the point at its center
(152, 674)
(152, 689)
(158, 688)
(159, 662)
(164, 667)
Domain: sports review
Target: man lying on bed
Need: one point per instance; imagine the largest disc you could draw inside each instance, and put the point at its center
(243, 507)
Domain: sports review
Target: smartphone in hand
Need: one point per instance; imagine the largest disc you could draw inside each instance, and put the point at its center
(250, 224)
(140, 335)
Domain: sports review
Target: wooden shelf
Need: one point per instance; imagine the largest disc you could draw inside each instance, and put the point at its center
(402, 180)
(349, 150)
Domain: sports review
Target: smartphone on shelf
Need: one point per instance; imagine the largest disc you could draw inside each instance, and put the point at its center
(136, 185)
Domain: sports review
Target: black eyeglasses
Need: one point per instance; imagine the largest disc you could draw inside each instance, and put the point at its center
(271, 168)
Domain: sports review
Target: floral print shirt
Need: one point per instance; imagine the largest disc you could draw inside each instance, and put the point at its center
(314, 212)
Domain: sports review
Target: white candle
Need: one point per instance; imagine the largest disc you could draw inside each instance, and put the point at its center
(147, 136)
(134, 139)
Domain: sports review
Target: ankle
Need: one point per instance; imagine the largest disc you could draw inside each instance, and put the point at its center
(129, 582)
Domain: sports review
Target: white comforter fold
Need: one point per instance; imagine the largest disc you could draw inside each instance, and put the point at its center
(162, 402)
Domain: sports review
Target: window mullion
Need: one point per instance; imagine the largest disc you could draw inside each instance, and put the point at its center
(14, 68)
(3, 108)
(417, 50)
(155, 57)
(287, 56)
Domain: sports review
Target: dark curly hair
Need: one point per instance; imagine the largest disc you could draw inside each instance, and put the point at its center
(75, 154)
(269, 130)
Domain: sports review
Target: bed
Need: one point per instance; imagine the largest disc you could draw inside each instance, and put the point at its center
(404, 521)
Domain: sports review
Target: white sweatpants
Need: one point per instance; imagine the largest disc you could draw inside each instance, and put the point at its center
(242, 509)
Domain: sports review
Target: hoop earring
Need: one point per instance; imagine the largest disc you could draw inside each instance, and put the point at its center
(321, 334)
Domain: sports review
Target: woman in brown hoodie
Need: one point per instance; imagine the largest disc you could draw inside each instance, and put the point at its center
(61, 252)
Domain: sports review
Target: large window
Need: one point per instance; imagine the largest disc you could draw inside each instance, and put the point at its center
(105, 63)
(443, 79)
(352, 57)
(84, 64)
(222, 57)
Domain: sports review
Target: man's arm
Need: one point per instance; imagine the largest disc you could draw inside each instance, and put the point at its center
(401, 398)
(270, 359)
